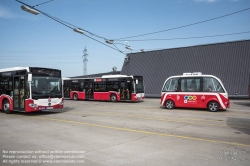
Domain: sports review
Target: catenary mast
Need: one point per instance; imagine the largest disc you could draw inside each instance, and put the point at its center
(85, 60)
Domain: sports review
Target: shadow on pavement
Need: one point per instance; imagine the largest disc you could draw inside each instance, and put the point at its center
(240, 124)
(193, 109)
(43, 112)
(244, 103)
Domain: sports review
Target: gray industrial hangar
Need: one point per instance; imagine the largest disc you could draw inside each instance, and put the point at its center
(229, 61)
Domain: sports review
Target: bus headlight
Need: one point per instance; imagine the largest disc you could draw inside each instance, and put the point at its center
(61, 103)
(33, 105)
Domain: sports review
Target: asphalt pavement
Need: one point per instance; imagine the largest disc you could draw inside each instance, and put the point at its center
(101, 133)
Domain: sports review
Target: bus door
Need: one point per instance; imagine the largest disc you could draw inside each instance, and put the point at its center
(19, 92)
(66, 88)
(89, 90)
(126, 90)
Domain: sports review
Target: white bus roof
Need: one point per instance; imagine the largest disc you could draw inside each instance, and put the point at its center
(66, 78)
(104, 76)
(14, 69)
(116, 76)
(195, 74)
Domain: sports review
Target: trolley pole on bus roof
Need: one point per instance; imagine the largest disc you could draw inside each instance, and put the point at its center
(85, 60)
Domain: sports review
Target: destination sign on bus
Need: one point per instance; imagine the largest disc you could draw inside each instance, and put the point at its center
(98, 80)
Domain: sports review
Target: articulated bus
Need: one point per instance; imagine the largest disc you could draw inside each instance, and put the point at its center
(29, 89)
(108, 87)
(194, 90)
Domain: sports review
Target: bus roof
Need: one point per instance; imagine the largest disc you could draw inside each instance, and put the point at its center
(15, 68)
(116, 76)
(195, 74)
(104, 76)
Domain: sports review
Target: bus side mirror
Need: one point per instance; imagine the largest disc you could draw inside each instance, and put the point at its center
(136, 81)
(29, 77)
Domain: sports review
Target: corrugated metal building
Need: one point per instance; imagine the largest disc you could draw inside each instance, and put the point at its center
(230, 61)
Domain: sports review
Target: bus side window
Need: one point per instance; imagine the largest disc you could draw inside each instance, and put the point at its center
(193, 85)
(184, 85)
(190, 84)
(212, 85)
(207, 84)
(82, 85)
(171, 85)
(217, 86)
(115, 86)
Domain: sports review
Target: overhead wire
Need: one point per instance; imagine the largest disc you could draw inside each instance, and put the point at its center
(76, 26)
(184, 38)
(121, 39)
(50, 52)
(58, 20)
(70, 26)
(84, 31)
(185, 25)
(42, 3)
(104, 44)
(55, 18)
(209, 36)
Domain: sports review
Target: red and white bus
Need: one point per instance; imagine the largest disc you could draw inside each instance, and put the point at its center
(108, 87)
(29, 89)
(194, 90)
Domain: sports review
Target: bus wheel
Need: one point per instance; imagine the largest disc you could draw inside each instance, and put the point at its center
(113, 98)
(169, 104)
(6, 107)
(213, 106)
(75, 97)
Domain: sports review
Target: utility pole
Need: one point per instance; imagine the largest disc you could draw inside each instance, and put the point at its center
(85, 60)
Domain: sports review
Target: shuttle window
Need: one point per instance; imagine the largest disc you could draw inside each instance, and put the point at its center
(212, 85)
(190, 84)
(171, 85)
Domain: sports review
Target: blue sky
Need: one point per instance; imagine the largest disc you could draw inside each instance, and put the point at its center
(36, 40)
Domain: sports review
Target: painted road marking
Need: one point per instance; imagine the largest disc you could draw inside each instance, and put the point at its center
(140, 131)
(166, 120)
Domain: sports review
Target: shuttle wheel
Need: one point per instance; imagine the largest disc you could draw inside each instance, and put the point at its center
(75, 96)
(169, 104)
(6, 107)
(113, 98)
(213, 106)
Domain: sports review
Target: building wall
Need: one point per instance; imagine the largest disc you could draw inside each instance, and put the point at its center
(229, 61)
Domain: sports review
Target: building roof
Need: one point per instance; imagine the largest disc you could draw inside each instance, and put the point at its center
(229, 61)
(226, 42)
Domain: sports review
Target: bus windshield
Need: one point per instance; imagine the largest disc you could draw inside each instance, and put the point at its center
(139, 86)
(45, 87)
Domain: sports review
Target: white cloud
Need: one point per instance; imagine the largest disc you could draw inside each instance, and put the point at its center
(5, 13)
